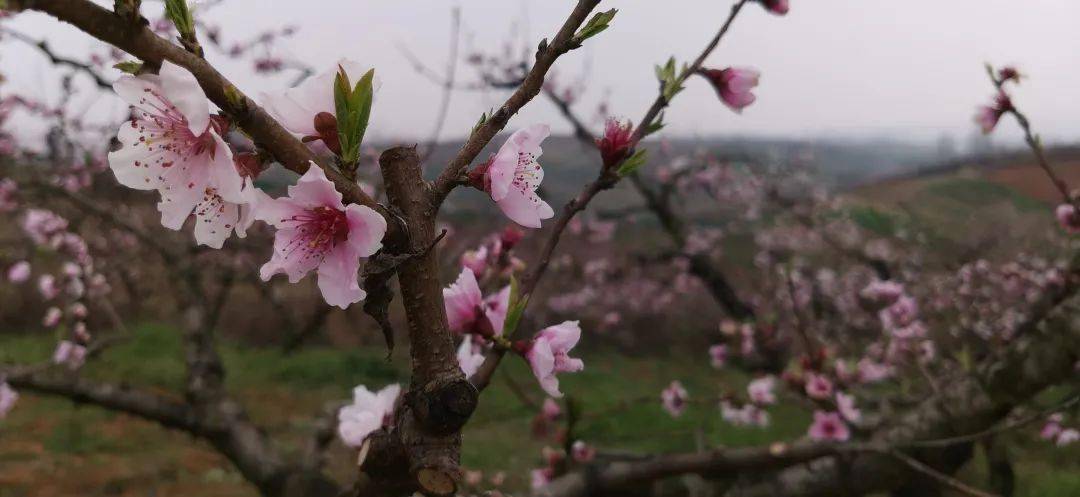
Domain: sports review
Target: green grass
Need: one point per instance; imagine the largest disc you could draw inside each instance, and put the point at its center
(618, 399)
(980, 192)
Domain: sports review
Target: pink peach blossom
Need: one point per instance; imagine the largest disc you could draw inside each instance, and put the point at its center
(778, 7)
(512, 177)
(467, 311)
(1068, 218)
(19, 272)
(734, 85)
(47, 287)
(550, 410)
(845, 404)
(470, 356)
(718, 355)
(673, 398)
(616, 143)
(548, 354)
(762, 390)
(368, 412)
(987, 116)
(582, 452)
(70, 354)
(818, 386)
(828, 426)
(172, 145)
(52, 317)
(316, 231)
(1067, 436)
(882, 292)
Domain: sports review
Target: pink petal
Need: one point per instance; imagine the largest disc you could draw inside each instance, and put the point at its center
(314, 190)
(338, 277)
(366, 229)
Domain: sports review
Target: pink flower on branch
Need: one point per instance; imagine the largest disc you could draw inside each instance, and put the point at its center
(1068, 218)
(69, 354)
(733, 85)
(988, 116)
(173, 145)
(468, 312)
(470, 356)
(828, 426)
(762, 390)
(845, 404)
(778, 7)
(549, 354)
(19, 272)
(616, 143)
(818, 386)
(718, 355)
(674, 398)
(512, 177)
(368, 412)
(315, 231)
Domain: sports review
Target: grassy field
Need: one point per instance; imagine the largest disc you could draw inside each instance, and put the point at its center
(51, 446)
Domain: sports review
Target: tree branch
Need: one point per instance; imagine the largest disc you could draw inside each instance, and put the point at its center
(138, 40)
(530, 87)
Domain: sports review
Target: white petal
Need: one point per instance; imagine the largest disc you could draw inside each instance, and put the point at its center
(183, 90)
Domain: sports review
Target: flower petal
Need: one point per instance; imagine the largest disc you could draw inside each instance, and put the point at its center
(183, 90)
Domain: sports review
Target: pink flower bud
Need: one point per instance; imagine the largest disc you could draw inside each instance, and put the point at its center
(988, 116)
(616, 143)
(52, 317)
(778, 7)
(733, 85)
(1068, 218)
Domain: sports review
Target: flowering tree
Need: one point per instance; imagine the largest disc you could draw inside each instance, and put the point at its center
(821, 333)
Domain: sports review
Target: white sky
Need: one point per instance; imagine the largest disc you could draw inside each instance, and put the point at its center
(861, 68)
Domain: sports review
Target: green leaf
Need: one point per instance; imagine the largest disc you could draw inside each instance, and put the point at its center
(352, 108)
(515, 309)
(632, 163)
(656, 125)
(599, 22)
(129, 66)
(178, 12)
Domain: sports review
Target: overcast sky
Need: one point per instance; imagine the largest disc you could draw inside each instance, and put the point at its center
(862, 68)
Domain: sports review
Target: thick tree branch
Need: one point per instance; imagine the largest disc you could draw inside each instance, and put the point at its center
(153, 407)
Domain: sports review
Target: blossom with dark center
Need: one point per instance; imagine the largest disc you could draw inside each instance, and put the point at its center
(173, 145)
(315, 231)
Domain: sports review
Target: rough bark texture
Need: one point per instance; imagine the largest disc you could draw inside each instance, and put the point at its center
(440, 400)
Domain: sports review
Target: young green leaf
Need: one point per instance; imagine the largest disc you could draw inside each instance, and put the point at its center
(178, 12)
(632, 163)
(599, 22)
(515, 309)
(129, 66)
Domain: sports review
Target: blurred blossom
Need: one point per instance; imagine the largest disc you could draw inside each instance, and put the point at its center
(368, 412)
(828, 426)
(69, 354)
(19, 272)
(674, 399)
